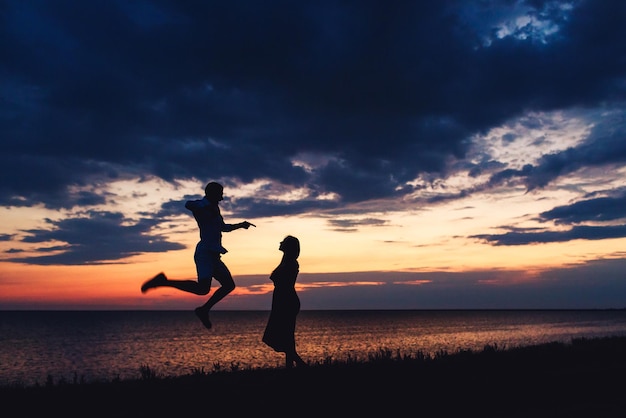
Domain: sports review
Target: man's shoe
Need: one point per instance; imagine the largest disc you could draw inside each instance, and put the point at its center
(158, 280)
(204, 317)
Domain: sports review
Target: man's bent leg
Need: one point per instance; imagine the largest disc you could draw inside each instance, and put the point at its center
(225, 279)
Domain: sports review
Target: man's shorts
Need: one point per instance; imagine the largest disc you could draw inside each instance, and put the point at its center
(209, 264)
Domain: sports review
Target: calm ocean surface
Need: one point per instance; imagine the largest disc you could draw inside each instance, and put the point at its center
(104, 345)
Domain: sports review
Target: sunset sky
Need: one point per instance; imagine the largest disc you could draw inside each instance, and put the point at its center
(427, 154)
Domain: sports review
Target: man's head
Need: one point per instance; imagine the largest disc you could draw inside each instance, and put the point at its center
(214, 192)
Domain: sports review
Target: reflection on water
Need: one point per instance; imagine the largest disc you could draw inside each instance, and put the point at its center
(106, 345)
(357, 333)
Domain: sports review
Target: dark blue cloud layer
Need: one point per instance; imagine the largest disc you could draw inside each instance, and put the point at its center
(101, 90)
(606, 212)
(97, 238)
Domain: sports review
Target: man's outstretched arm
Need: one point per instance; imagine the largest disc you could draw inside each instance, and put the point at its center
(232, 227)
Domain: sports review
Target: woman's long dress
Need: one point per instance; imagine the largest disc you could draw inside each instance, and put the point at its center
(281, 326)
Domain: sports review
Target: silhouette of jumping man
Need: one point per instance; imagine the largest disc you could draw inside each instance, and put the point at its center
(280, 330)
(207, 255)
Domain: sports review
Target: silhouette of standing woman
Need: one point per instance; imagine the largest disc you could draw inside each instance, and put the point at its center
(208, 253)
(281, 326)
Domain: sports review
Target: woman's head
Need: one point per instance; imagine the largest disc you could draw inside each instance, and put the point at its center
(290, 245)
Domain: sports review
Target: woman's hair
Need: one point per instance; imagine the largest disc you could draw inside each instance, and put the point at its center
(291, 246)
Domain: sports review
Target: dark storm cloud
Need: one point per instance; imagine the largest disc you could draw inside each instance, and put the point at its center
(94, 91)
(351, 225)
(249, 208)
(584, 232)
(602, 211)
(598, 209)
(605, 146)
(213, 89)
(97, 238)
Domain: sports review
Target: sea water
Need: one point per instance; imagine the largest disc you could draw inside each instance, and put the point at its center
(86, 346)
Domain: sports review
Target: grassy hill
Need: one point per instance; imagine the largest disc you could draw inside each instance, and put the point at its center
(584, 378)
